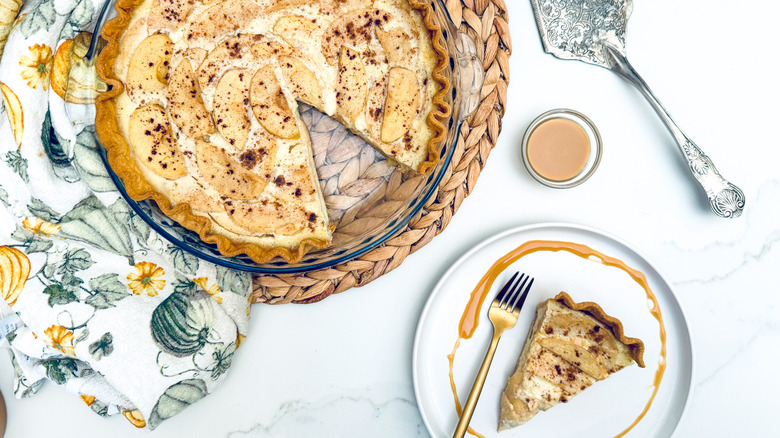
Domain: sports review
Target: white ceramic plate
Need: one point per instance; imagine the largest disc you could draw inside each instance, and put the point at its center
(602, 410)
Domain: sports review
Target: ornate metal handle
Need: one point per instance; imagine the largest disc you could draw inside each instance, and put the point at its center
(726, 199)
(467, 71)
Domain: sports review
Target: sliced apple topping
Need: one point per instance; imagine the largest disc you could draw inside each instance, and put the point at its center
(148, 69)
(294, 28)
(295, 183)
(187, 191)
(301, 81)
(168, 14)
(243, 51)
(233, 52)
(225, 174)
(224, 18)
(270, 217)
(196, 55)
(270, 106)
(268, 48)
(401, 105)
(153, 143)
(260, 154)
(375, 106)
(231, 107)
(352, 89)
(397, 46)
(354, 29)
(185, 103)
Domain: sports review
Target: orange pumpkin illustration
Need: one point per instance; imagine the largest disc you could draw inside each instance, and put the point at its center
(135, 418)
(72, 78)
(15, 112)
(14, 270)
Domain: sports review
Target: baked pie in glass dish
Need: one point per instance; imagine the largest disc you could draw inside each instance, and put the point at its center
(285, 134)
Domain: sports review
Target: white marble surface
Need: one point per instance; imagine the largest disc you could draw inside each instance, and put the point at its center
(342, 367)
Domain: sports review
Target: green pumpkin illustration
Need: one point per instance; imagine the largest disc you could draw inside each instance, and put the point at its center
(182, 322)
(175, 399)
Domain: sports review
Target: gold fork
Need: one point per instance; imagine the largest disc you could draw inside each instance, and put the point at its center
(503, 314)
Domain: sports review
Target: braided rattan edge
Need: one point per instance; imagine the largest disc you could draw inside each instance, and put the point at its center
(486, 22)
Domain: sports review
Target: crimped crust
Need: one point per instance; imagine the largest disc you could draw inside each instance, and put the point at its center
(121, 159)
(635, 346)
(437, 118)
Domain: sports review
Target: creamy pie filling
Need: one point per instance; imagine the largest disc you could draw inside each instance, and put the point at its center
(210, 106)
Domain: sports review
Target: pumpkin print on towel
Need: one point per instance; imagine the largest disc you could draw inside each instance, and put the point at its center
(14, 270)
(181, 324)
(88, 280)
(176, 398)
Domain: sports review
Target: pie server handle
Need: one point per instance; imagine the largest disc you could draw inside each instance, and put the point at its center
(726, 199)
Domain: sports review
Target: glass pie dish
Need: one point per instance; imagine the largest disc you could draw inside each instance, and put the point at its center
(369, 200)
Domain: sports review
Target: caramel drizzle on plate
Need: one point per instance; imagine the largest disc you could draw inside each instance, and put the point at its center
(470, 319)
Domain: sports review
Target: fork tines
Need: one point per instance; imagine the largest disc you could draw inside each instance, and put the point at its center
(513, 294)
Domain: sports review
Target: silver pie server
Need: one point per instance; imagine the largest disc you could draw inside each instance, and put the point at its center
(594, 31)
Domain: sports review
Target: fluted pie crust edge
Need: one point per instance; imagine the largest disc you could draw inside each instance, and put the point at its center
(635, 346)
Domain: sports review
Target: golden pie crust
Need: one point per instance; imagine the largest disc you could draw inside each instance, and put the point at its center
(211, 131)
(570, 346)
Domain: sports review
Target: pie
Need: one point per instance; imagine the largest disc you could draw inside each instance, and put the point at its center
(570, 346)
(203, 112)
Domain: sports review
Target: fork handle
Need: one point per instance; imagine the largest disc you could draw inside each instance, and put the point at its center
(476, 389)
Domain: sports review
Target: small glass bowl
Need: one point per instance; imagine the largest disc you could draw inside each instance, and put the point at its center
(594, 140)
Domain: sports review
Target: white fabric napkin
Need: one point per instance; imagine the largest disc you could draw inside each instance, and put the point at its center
(94, 300)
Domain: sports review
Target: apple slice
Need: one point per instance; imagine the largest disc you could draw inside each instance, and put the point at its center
(294, 28)
(242, 51)
(231, 100)
(224, 18)
(225, 174)
(196, 55)
(270, 106)
(266, 48)
(185, 103)
(396, 45)
(301, 81)
(148, 69)
(295, 183)
(352, 87)
(354, 29)
(401, 105)
(269, 217)
(375, 106)
(167, 15)
(188, 191)
(153, 143)
(259, 156)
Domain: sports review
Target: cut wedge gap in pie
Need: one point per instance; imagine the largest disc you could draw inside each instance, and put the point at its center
(232, 159)
(570, 346)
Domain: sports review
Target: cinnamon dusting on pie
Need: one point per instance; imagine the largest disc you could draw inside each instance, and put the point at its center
(204, 106)
(570, 346)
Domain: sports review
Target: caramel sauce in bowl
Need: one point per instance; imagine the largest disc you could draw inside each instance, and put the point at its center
(561, 148)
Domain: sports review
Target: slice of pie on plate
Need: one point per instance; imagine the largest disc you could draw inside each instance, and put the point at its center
(570, 346)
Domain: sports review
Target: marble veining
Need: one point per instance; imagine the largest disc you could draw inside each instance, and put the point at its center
(296, 416)
(342, 367)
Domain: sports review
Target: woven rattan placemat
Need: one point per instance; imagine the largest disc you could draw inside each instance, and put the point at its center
(486, 22)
